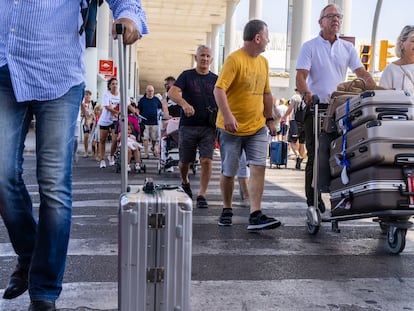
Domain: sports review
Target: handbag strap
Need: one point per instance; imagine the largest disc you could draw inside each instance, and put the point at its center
(408, 76)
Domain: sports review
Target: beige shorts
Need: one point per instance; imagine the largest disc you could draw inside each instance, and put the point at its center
(151, 132)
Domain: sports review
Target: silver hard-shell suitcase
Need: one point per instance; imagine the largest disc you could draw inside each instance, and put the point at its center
(375, 105)
(154, 234)
(375, 142)
(155, 252)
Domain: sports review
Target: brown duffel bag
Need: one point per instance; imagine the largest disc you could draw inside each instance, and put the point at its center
(355, 86)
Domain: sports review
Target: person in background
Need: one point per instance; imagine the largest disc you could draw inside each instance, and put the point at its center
(133, 118)
(279, 112)
(174, 110)
(94, 135)
(149, 107)
(399, 74)
(296, 135)
(322, 64)
(108, 122)
(245, 101)
(87, 116)
(193, 92)
(42, 75)
(133, 147)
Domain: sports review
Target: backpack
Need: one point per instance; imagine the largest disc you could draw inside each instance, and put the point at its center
(89, 20)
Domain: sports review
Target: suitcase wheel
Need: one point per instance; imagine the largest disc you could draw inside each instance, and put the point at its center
(313, 220)
(396, 239)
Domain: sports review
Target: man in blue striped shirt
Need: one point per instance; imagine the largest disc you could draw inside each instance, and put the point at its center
(42, 75)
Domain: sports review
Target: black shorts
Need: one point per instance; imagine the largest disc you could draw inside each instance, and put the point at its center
(193, 137)
(296, 132)
(86, 129)
(112, 128)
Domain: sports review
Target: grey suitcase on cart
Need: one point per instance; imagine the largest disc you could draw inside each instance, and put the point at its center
(155, 253)
(374, 188)
(154, 234)
(375, 142)
(376, 105)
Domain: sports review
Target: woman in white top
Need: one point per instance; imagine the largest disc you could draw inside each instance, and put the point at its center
(108, 121)
(399, 75)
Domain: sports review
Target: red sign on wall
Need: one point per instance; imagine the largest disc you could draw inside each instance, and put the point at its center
(113, 74)
(106, 67)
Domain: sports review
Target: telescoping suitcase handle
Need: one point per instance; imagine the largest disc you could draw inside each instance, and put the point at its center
(120, 28)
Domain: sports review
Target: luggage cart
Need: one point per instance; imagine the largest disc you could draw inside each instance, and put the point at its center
(394, 221)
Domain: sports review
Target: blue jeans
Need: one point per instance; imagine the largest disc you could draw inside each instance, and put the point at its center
(41, 245)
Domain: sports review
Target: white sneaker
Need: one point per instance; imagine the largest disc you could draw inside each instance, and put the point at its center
(111, 160)
(137, 167)
(129, 167)
(102, 164)
(170, 169)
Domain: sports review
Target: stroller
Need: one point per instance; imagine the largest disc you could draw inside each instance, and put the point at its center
(168, 146)
(138, 166)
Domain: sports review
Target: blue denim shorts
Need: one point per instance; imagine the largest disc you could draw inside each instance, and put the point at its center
(244, 170)
(231, 147)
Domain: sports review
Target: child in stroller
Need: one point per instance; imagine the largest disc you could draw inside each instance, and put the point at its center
(133, 151)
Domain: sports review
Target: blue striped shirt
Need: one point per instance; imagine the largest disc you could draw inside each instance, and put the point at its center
(40, 43)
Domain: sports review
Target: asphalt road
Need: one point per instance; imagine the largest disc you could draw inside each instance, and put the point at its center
(232, 269)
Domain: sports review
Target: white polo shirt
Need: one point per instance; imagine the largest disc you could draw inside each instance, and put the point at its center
(327, 64)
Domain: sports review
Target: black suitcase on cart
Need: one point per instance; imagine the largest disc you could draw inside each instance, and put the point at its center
(370, 189)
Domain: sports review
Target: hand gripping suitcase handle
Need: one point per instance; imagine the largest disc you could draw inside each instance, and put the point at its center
(120, 29)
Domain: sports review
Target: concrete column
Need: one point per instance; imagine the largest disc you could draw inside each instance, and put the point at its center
(215, 46)
(103, 40)
(229, 39)
(300, 32)
(91, 61)
(255, 9)
(208, 39)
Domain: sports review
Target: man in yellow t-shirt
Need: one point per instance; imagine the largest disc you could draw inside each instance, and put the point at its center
(243, 95)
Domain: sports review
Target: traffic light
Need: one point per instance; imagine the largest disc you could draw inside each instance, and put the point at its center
(365, 55)
(384, 54)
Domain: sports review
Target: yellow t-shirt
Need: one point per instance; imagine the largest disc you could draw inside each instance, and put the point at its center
(244, 79)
